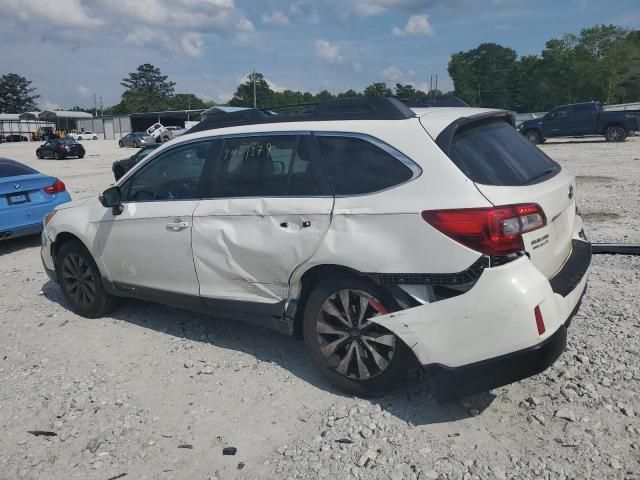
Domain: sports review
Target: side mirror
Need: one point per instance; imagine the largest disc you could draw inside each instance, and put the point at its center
(112, 198)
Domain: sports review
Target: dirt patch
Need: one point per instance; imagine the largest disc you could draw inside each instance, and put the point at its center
(594, 178)
(599, 216)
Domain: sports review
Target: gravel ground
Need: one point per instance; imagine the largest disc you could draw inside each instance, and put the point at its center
(155, 392)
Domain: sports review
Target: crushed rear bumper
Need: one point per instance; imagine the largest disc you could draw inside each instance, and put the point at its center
(488, 337)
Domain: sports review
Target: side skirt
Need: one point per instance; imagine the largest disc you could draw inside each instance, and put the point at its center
(269, 315)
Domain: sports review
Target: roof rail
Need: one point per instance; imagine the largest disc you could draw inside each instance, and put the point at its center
(372, 108)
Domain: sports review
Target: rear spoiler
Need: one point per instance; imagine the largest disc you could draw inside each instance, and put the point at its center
(445, 139)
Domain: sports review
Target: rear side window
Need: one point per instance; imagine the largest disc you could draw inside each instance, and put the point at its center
(496, 154)
(269, 166)
(356, 166)
(13, 169)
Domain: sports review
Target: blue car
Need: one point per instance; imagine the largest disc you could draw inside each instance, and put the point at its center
(26, 196)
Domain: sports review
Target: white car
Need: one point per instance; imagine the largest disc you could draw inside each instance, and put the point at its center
(83, 136)
(381, 234)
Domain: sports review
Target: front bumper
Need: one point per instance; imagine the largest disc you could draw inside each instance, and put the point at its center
(488, 336)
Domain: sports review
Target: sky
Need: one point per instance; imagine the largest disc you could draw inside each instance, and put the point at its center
(72, 49)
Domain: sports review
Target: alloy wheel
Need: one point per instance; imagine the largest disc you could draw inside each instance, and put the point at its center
(353, 345)
(79, 279)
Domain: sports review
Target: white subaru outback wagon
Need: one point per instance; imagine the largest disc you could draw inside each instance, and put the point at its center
(382, 234)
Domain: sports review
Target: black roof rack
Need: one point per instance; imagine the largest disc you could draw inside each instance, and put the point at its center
(373, 108)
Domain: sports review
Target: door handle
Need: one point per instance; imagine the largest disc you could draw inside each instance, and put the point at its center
(177, 226)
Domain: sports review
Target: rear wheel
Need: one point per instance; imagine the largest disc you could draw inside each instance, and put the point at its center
(534, 136)
(615, 134)
(95, 137)
(355, 354)
(81, 156)
(81, 283)
(79, 138)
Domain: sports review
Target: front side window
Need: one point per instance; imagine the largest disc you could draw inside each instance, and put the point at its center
(267, 166)
(356, 166)
(174, 175)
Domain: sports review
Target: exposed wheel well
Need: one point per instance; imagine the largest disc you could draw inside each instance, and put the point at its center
(615, 124)
(309, 279)
(61, 239)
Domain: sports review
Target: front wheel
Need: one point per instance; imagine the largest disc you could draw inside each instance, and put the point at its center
(120, 144)
(137, 145)
(38, 154)
(534, 136)
(615, 134)
(355, 354)
(95, 137)
(81, 283)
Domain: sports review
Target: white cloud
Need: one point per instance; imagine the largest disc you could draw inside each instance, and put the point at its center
(327, 51)
(192, 44)
(394, 74)
(84, 91)
(65, 13)
(49, 105)
(416, 25)
(276, 18)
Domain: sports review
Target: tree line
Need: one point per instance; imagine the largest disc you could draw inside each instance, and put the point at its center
(601, 63)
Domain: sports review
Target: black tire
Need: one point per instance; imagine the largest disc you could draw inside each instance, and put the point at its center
(353, 346)
(79, 138)
(57, 156)
(534, 136)
(80, 156)
(615, 134)
(86, 297)
(120, 144)
(95, 137)
(137, 145)
(38, 154)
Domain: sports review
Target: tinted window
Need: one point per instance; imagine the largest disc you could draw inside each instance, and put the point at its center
(582, 109)
(174, 175)
(496, 154)
(13, 169)
(357, 166)
(269, 166)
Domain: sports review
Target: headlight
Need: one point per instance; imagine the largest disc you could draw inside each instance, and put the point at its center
(48, 217)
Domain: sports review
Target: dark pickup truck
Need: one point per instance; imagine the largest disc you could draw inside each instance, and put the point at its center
(581, 119)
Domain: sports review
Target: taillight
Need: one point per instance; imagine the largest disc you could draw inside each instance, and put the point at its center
(57, 187)
(492, 231)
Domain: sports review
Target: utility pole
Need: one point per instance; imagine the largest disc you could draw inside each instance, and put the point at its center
(101, 106)
(436, 92)
(253, 76)
(95, 106)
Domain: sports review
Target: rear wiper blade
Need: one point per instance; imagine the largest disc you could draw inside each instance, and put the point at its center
(536, 177)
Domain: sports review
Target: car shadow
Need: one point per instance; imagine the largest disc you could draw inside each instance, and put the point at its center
(12, 245)
(576, 141)
(412, 401)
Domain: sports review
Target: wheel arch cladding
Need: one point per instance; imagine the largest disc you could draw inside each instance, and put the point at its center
(61, 239)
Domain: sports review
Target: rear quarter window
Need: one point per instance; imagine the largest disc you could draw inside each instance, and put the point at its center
(356, 166)
(494, 153)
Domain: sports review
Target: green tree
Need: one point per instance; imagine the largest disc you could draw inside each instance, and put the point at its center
(185, 101)
(243, 97)
(483, 76)
(16, 94)
(146, 90)
(378, 89)
(349, 94)
(408, 91)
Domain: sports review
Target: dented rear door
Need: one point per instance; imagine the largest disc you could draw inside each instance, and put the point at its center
(270, 211)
